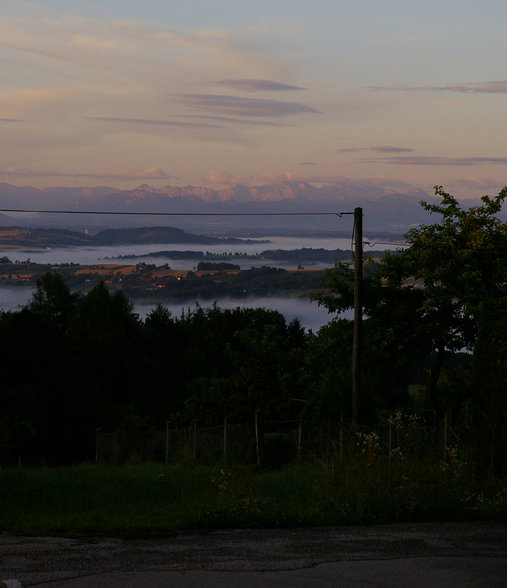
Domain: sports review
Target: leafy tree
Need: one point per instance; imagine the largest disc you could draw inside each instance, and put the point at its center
(237, 361)
(427, 298)
(328, 381)
(460, 262)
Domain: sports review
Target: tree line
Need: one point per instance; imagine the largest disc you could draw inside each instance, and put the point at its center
(435, 316)
(211, 280)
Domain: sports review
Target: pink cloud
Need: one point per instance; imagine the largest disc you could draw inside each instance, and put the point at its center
(377, 149)
(131, 174)
(494, 87)
(282, 177)
(229, 179)
(257, 85)
(439, 161)
(390, 149)
(235, 106)
(235, 121)
(152, 172)
(482, 184)
(223, 178)
(149, 122)
(497, 87)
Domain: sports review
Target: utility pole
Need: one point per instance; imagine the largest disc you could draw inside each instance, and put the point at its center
(358, 313)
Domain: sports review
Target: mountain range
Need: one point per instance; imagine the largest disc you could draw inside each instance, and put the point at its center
(289, 207)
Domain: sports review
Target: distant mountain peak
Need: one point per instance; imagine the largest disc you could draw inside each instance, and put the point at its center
(384, 206)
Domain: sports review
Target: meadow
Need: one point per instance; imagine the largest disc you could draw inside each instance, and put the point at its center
(139, 499)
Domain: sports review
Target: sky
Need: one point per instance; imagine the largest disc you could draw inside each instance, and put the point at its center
(403, 93)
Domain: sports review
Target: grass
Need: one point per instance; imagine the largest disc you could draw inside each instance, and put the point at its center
(155, 498)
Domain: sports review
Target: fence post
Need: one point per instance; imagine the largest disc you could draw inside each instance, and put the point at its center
(300, 437)
(194, 441)
(166, 442)
(225, 438)
(258, 438)
(97, 446)
(390, 454)
(341, 438)
(445, 435)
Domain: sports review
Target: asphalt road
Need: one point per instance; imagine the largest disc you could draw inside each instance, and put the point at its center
(416, 555)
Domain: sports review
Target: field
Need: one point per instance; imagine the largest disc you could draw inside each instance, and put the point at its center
(156, 498)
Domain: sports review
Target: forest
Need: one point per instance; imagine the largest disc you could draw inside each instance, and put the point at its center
(304, 255)
(435, 321)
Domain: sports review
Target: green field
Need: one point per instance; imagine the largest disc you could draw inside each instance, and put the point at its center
(131, 500)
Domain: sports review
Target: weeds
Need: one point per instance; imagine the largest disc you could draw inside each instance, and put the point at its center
(366, 488)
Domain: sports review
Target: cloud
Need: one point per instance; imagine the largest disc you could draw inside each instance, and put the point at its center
(81, 81)
(390, 149)
(352, 149)
(11, 171)
(440, 161)
(150, 122)
(376, 149)
(225, 178)
(381, 181)
(385, 182)
(257, 85)
(497, 87)
(131, 174)
(107, 51)
(494, 87)
(230, 179)
(236, 106)
(308, 163)
(235, 121)
(281, 177)
(482, 184)
(10, 120)
(152, 172)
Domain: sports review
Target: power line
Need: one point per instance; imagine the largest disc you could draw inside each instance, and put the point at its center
(124, 213)
(372, 244)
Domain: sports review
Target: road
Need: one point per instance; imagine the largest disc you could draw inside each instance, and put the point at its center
(418, 555)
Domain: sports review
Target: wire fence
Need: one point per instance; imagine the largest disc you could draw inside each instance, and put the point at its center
(264, 442)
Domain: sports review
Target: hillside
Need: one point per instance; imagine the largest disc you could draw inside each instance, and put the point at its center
(16, 237)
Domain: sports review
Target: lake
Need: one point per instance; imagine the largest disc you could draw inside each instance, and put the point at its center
(309, 313)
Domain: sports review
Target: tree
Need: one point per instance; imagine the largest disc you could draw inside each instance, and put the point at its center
(427, 297)
(328, 384)
(238, 360)
(53, 300)
(108, 352)
(488, 398)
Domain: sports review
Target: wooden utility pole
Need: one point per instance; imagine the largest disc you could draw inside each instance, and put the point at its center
(358, 313)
